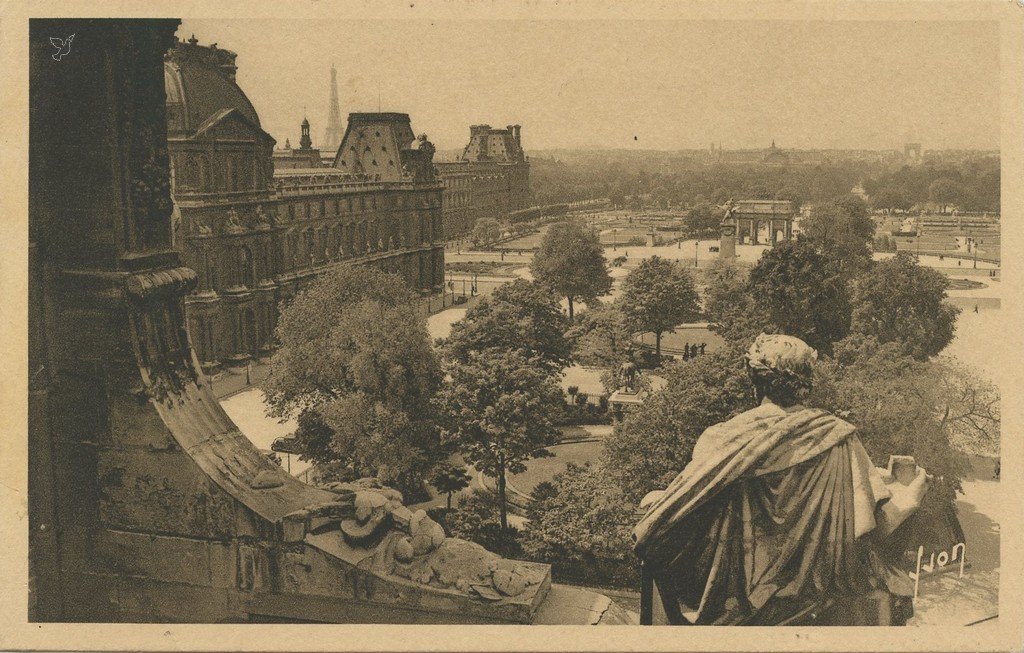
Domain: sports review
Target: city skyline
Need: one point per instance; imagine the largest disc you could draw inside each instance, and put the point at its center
(738, 84)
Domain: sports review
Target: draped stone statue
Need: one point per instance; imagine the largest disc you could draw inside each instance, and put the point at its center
(780, 517)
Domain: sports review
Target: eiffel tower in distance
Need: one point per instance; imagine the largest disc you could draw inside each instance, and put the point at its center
(335, 130)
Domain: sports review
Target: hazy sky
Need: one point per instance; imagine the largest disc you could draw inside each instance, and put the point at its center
(644, 84)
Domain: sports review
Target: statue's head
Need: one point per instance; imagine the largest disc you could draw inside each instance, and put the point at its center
(781, 368)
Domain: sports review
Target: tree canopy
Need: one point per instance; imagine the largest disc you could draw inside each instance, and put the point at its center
(897, 404)
(650, 446)
(892, 198)
(485, 232)
(729, 304)
(945, 191)
(581, 525)
(842, 229)
(519, 316)
(600, 337)
(571, 262)
(802, 293)
(499, 408)
(448, 479)
(658, 296)
(899, 300)
(356, 366)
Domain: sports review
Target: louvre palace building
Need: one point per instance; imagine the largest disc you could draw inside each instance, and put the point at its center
(490, 179)
(257, 235)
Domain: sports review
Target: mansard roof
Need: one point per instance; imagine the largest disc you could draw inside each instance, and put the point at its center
(199, 82)
(219, 126)
(376, 144)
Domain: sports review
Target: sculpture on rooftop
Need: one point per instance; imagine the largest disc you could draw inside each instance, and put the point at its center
(409, 544)
(780, 517)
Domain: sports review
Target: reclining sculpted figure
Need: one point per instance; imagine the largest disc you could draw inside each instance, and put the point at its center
(780, 517)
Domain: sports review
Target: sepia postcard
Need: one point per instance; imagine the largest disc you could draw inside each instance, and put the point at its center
(512, 326)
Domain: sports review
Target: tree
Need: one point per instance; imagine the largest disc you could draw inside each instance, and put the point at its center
(650, 446)
(380, 440)
(899, 300)
(600, 337)
(969, 406)
(802, 293)
(570, 261)
(794, 193)
(356, 366)
(449, 479)
(945, 191)
(519, 316)
(477, 520)
(657, 296)
(842, 229)
(892, 198)
(499, 408)
(703, 218)
(581, 524)
(729, 304)
(485, 232)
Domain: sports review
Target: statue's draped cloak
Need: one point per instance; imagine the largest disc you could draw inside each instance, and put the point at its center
(760, 527)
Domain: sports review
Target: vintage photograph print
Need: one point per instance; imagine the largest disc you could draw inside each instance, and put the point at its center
(515, 321)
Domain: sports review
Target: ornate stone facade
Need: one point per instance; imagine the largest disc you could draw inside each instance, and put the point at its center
(490, 179)
(257, 235)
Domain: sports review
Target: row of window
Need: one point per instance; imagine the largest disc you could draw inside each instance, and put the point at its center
(220, 172)
(314, 246)
(350, 204)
